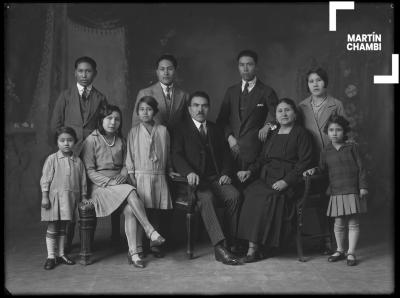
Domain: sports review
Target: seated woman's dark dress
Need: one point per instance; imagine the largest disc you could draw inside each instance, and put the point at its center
(267, 215)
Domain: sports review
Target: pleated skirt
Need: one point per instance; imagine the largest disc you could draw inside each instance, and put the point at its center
(107, 199)
(347, 204)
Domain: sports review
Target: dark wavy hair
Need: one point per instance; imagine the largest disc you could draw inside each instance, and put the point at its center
(87, 60)
(340, 120)
(248, 53)
(105, 111)
(198, 94)
(65, 129)
(321, 73)
(170, 58)
(151, 101)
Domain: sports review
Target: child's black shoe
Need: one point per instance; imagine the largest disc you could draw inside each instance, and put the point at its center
(50, 264)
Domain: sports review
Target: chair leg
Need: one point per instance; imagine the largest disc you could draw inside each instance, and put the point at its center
(87, 225)
(299, 239)
(189, 228)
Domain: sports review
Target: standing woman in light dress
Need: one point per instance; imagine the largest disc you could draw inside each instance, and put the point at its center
(315, 111)
(104, 153)
(148, 163)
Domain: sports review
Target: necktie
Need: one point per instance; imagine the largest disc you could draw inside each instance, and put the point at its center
(246, 90)
(168, 93)
(84, 94)
(203, 132)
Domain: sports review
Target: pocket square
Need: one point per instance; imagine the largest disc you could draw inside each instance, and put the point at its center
(260, 105)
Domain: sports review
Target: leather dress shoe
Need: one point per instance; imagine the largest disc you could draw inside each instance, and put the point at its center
(50, 264)
(340, 256)
(65, 260)
(224, 256)
(351, 262)
(254, 257)
(157, 252)
(136, 263)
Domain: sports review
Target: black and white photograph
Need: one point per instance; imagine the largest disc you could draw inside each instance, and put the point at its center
(199, 148)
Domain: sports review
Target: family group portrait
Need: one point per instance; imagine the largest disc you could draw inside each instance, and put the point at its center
(199, 148)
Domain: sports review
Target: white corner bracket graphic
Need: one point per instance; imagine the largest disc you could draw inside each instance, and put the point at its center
(394, 78)
(333, 7)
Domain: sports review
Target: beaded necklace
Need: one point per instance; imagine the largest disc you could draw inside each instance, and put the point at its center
(105, 141)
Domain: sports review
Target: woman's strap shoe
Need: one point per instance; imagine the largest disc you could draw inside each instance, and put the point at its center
(254, 257)
(50, 264)
(137, 263)
(334, 258)
(351, 262)
(65, 260)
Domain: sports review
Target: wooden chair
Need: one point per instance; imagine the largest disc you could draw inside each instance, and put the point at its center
(314, 196)
(184, 197)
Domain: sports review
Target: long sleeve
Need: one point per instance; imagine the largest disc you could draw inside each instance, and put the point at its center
(130, 155)
(272, 102)
(83, 179)
(262, 158)
(227, 161)
(89, 159)
(168, 150)
(178, 155)
(362, 174)
(47, 173)
(304, 151)
(58, 117)
(223, 117)
(322, 166)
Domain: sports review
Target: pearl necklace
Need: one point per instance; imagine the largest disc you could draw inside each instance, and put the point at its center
(318, 105)
(105, 141)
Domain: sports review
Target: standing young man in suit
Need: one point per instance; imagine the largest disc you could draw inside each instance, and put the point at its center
(201, 153)
(246, 112)
(171, 108)
(78, 107)
(170, 98)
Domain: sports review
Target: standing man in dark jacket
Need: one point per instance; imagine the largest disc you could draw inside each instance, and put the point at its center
(201, 153)
(78, 107)
(247, 111)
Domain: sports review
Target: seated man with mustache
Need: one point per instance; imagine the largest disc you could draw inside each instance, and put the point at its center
(201, 153)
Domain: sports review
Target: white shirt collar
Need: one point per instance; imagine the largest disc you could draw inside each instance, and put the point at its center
(252, 83)
(80, 88)
(197, 123)
(164, 87)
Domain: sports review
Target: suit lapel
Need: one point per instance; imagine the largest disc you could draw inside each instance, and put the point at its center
(254, 97)
(158, 93)
(327, 111)
(177, 96)
(93, 103)
(236, 100)
(77, 104)
(195, 132)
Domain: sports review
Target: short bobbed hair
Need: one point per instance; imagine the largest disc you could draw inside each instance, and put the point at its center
(65, 129)
(105, 111)
(321, 73)
(151, 101)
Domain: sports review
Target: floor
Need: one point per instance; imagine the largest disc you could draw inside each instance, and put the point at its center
(111, 274)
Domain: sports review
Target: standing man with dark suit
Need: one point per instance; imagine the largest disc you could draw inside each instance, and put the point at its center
(247, 110)
(201, 153)
(78, 107)
(171, 109)
(171, 99)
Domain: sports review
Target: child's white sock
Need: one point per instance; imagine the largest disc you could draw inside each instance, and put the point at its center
(61, 242)
(354, 232)
(51, 244)
(339, 231)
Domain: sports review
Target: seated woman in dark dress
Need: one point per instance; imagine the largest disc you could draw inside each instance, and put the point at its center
(269, 207)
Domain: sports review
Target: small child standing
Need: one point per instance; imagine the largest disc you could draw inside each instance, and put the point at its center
(348, 186)
(63, 184)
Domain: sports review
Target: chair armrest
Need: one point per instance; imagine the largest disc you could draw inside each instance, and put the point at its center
(190, 190)
(315, 184)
